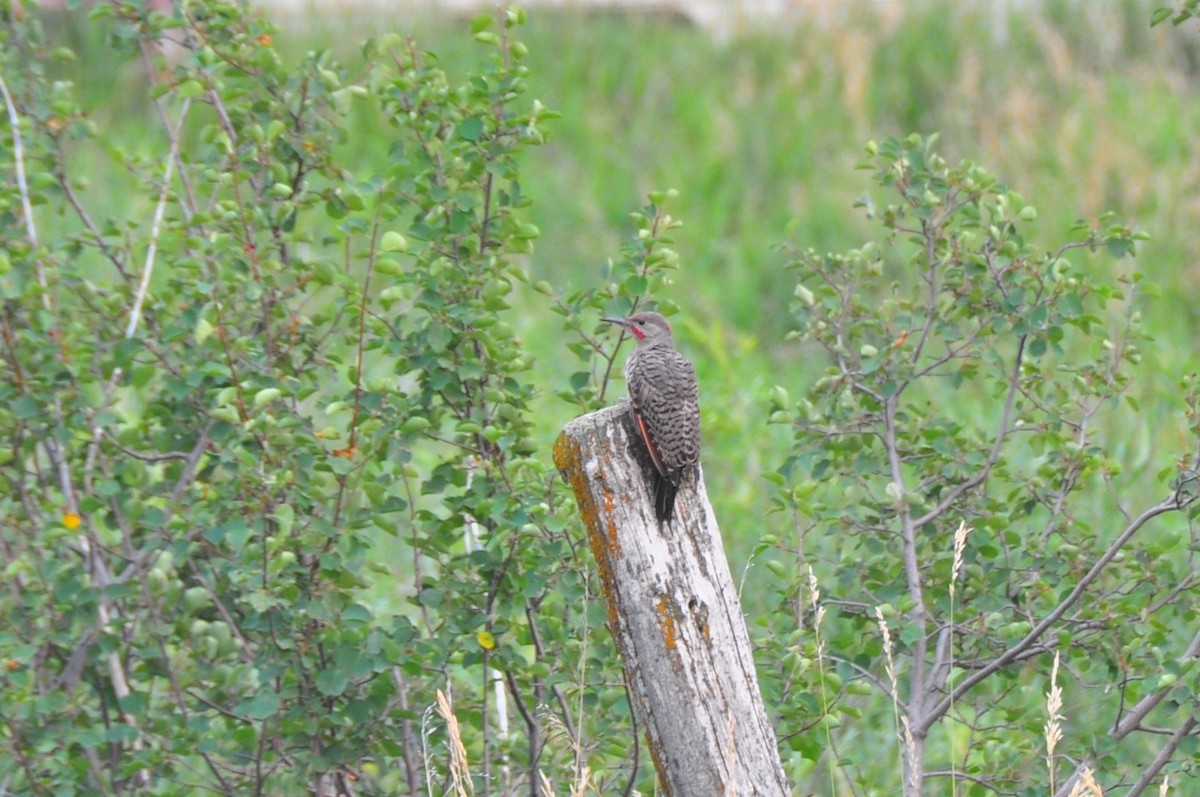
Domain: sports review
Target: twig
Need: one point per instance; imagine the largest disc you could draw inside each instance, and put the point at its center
(1174, 503)
(407, 743)
(23, 187)
(918, 687)
(96, 565)
(65, 184)
(362, 335)
(994, 455)
(189, 204)
(1163, 757)
(635, 753)
(559, 695)
(1132, 720)
(135, 314)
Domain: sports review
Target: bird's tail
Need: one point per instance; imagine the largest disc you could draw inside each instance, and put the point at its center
(665, 489)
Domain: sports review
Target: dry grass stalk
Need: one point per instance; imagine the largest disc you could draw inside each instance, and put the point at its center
(814, 595)
(577, 740)
(426, 758)
(890, 668)
(557, 732)
(890, 664)
(1086, 786)
(1053, 724)
(910, 752)
(460, 772)
(960, 543)
(580, 787)
(814, 592)
(1162, 787)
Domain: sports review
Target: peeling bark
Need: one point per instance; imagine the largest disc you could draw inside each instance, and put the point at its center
(674, 612)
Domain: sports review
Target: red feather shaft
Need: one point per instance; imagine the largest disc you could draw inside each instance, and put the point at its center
(641, 425)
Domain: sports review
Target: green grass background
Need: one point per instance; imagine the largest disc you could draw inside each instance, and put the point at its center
(1081, 107)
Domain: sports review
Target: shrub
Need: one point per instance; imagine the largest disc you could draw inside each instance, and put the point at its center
(950, 481)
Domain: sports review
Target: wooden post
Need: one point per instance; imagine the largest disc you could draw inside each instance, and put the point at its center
(674, 612)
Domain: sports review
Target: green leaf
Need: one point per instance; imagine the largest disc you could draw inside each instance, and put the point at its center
(416, 423)
(266, 396)
(331, 682)
(262, 706)
(481, 22)
(189, 88)
(1119, 247)
(120, 733)
(430, 597)
(392, 241)
(25, 407)
(471, 129)
(635, 286)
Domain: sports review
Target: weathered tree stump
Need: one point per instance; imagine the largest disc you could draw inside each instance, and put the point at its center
(674, 612)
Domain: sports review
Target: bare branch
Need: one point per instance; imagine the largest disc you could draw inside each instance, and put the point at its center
(929, 233)
(135, 314)
(1171, 504)
(1163, 757)
(1132, 720)
(14, 119)
(979, 478)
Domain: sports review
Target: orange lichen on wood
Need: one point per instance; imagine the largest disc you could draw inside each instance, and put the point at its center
(668, 621)
(674, 617)
(614, 541)
(568, 458)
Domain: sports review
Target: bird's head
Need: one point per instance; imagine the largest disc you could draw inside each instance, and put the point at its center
(646, 327)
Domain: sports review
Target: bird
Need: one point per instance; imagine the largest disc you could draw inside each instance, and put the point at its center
(664, 404)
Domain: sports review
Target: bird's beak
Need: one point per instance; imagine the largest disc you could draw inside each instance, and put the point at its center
(624, 322)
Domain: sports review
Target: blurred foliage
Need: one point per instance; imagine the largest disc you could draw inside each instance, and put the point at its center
(1178, 14)
(1082, 105)
(329, 158)
(884, 472)
(270, 477)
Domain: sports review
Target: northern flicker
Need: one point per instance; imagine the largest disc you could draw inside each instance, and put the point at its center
(664, 403)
